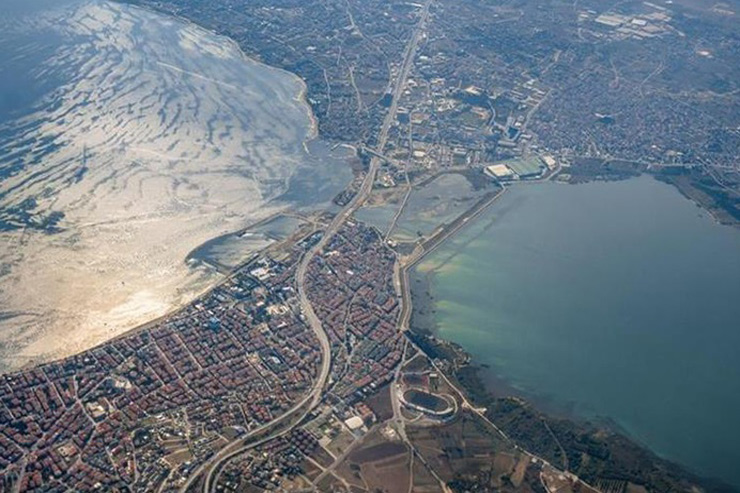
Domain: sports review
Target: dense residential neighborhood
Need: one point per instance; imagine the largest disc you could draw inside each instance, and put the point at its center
(302, 369)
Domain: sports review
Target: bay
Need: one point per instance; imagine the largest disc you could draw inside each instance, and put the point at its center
(616, 300)
(127, 139)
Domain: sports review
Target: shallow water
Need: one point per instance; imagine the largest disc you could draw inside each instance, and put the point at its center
(614, 300)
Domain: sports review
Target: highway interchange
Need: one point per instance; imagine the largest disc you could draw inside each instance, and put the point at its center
(213, 467)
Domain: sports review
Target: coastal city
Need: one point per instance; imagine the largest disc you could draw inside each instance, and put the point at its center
(605, 91)
(156, 408)
(145, 408)
(302, 369)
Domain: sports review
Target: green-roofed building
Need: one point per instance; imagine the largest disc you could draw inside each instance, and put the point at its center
(525, 167)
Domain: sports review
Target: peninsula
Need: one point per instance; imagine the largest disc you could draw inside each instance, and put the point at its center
(303, 370)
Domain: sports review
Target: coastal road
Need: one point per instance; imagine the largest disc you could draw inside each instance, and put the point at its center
(429, 245)
(354, 204)
(213, 467)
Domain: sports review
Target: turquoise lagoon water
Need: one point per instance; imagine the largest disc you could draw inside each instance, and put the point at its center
(617, 300)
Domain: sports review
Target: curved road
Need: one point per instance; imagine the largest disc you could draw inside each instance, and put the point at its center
(213, 466)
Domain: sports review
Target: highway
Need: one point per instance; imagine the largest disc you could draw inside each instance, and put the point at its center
(244, 443)
(298, 412)
(212, 468)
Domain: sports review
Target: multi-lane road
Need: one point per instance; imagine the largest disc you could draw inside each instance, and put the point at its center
(213, 467)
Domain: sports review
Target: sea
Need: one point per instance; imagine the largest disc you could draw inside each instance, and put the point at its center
(127, 139)
(613, 301)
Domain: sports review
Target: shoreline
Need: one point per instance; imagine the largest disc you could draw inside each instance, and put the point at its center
(491, 393)
(302, 94)
(486, 388)
(497, 385)
(435, 242)
(492, 384)
(423, 304)
(300, 97)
